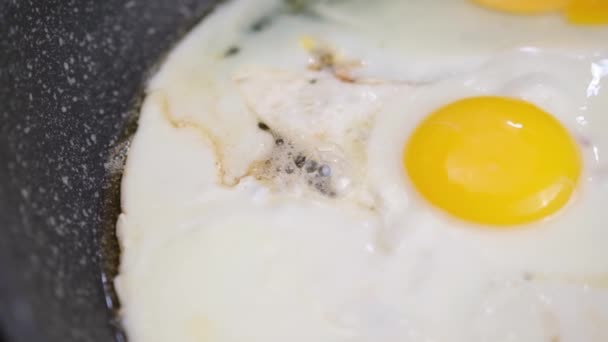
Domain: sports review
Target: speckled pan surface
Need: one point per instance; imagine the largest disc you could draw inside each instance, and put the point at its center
(71, 73)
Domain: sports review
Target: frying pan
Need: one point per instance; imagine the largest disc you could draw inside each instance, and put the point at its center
(71, 77)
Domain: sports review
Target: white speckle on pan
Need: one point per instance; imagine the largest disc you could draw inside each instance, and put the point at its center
(50, 62)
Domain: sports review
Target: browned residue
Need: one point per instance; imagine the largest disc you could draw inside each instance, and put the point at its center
(188, 123)
(259, 170)
(326, 58)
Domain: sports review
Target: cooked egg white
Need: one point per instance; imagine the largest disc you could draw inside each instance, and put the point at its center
(266, 198)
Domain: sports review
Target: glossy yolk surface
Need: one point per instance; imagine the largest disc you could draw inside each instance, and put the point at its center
(493, 160)
(581, 12)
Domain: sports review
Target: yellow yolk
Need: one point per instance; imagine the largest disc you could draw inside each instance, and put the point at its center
(580, 12)
(524, 6)
(588, 12)
(493, 160)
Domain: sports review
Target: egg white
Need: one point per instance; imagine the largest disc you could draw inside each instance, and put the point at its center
(213, 251)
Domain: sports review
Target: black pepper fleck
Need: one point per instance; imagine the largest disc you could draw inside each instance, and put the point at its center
(231, 51)
(299, 161)
(289, 170)
(279, 142)
(261, 24)
(263, 126)
(312, 81)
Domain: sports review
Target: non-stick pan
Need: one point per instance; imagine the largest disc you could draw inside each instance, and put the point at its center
(71, 76)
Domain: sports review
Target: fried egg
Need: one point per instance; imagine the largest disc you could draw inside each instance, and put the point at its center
(408, 171)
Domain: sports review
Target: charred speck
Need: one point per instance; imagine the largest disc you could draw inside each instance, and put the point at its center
(261, 24)
(311, 166)
(289, 170)
(299, 161)
(279, 142)
(263, 126)
(231, 51)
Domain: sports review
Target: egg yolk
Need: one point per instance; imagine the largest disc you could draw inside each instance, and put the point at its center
(493, 160)
(524, 6)
(588, 12)
(580, 12)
